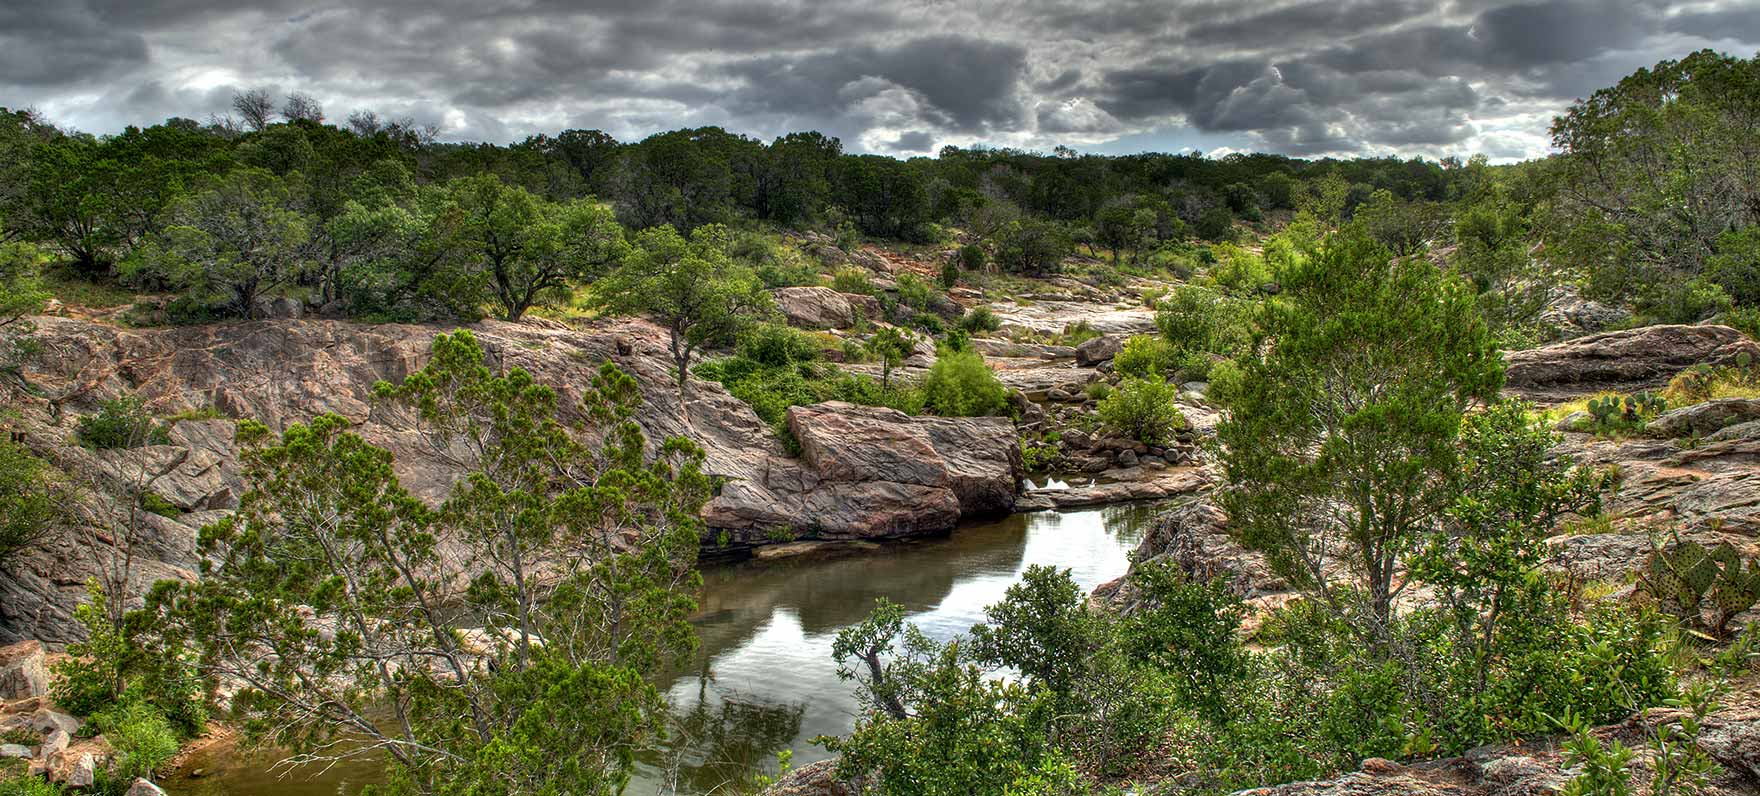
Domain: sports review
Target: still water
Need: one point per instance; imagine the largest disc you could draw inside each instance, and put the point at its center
(763, 680)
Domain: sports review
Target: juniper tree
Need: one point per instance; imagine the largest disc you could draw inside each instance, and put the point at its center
(1339, 444)
(501, 642)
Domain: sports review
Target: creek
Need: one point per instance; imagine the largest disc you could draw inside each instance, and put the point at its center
(763, 679)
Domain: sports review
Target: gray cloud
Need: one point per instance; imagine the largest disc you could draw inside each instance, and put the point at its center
(1304, 77)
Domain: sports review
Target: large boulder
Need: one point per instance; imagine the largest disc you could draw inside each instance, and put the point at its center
(23, 671)
(814, 307)
(813, 779)
(1098, 350)
(1705, 418)
(1624, 360)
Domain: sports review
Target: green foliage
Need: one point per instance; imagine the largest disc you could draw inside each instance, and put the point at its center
(965, 733)
(1238, 271)
(530, 250)
(1142, 409)
(21, 285)
(1651, 185)
(1203, 327)
(890, 345)
(141, 736)
(27, 785)
(230, 245)
(690, 287)
(469, 668)
(980, 319)
(1353, 414)
(130, 658)
(32, 502)
(1189, 631)
(1032, 248)
(121, 422)
(1039, 455)
(1146, 356)
(851, 280)
(961, 384)
(972, 257)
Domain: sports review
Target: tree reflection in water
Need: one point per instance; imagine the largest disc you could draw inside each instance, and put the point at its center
(721, 743)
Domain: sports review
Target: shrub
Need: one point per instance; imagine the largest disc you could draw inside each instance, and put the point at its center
(143, 739)
(972, 257)
(121, 423)
(950, 273)
(777, 345)
(1032, 248)
(961, 385)
(1077, 333)
(980, 319)
(1239, 271)
(30, 502)
(1146, 356)
(1143, 410)
(851, 280)
(914, 292)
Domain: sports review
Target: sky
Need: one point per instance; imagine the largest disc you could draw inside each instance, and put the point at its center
(902, 77)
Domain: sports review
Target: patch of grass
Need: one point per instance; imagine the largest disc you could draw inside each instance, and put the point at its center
(23, 736)
(74, 290)
(157, 504)
(1595, 524)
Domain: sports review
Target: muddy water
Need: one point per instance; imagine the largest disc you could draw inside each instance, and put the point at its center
(764, 680)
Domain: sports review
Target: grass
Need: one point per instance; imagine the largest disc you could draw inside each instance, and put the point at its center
(74, 290)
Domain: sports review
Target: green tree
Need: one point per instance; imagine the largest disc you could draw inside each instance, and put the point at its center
(231, 243)
(532, 249)
(515, 660)
(961, 384)
(32, 504)
(1142, 409)
(1339, 440)
(1032, 247)
(890, 345)
(690, 287)
(1655, 170)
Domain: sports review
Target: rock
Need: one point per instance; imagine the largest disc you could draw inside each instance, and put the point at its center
(1099, 349)
(23, 671)
(15, 750)
(1199, 387)
(1127, 458)
(281, 372)
(1705, 418)
(1059, 395)
(54, 742)
(83, 773)
(1740, 431)
(868, 307)
(812, 779)
(814, 307)
(141, 787)
(1624, 360)
(1575, 421)
(1572, 313)
(46, 721)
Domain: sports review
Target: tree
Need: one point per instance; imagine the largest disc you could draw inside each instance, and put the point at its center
(1032, 247)
(1404, 227)
(690, 287)
(574, 567)
(231, 243)
(532, 249)
(31, 501)
(302, 107)
(1655, 170)
(1339, 442)
(254, 108)
(891, 345)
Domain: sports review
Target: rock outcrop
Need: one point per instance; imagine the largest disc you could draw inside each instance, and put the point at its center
(896, 476)
(1624, 360)
(816, 307)
(24, 671)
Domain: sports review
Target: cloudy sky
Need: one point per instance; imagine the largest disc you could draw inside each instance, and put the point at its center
(1301, 77)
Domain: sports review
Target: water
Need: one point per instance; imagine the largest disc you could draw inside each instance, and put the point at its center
(764, 680)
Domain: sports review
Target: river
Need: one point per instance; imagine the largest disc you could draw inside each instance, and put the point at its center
(763, 680)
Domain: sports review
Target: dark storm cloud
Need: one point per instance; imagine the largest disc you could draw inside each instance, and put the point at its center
(1308, 77)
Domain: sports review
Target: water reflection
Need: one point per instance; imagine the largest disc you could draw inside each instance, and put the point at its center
(763, 679)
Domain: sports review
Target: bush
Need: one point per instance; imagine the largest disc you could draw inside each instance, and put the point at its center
(1032, 248)
(915, 293)
(950, 273)
(1143, 410)
(27, 785)
(121, 423)
(777, 345)
(980, 319)
(851, 280)
(143, 739)
(1146, 356)
(972, 257)
(30, 502)
(961, 385)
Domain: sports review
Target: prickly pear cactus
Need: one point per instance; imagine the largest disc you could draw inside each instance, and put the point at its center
(1684, 578)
